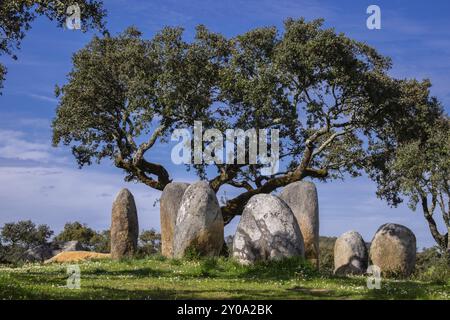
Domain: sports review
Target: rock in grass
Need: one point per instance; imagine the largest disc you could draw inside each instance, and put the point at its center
(350, 254)
(74, 245)
(302, 198)
(37, 253)
(267, 231)
(124, 226)
(393, 249)
(199, 225)
(169, 205)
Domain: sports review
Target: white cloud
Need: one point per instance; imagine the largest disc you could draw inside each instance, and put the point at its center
(43, 97)
(14, 146)
(58, 195)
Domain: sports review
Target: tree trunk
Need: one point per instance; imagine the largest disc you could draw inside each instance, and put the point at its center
(235, 206)
(440, 239)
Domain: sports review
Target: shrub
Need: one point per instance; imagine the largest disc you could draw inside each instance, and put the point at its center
(433, 265)
(87, 237)
(326, 255)
(76, 231)
(101, 241)
(149, 243)
(17, 237)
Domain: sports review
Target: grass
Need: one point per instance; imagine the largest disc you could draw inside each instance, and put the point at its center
(158, 278)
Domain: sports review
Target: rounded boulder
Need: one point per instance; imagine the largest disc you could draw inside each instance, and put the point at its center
(393, 249)
(267, 231)
(199, 224)
(350, 254)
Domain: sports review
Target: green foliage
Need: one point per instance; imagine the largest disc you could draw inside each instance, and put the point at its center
(25, 233)
(326, 258)
(331, 97)
(149, 243)
(133, 83)
(75, 231)
(192, 254)
(101, 241)
(433, 265)
(282, 269)
(208, 266)
(16, 17)
(420, 171)
(87, 237)
(16, 238)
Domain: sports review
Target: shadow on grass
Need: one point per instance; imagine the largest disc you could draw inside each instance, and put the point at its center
(292, 268)
(99, 292)
(399, 290)
(144, 272)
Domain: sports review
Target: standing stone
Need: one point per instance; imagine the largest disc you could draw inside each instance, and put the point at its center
(199, 225)
(124, 226)
(169, 205)
(350, 254)
(393, 249)
(267, 231)
(301, 197)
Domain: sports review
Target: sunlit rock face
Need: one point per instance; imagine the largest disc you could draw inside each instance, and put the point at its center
(267, 230)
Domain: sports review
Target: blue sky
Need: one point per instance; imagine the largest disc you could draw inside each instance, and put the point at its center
(43, 184)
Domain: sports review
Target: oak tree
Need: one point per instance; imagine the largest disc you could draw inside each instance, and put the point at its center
(16, 17)
(332, 99)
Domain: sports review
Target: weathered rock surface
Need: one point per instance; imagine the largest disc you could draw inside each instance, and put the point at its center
(169, 205)
(38, 253)
(393, 249)
(267, 230)
(302, 198)
(199, 225)
(74, 245)
(350, 254)
(124, 226)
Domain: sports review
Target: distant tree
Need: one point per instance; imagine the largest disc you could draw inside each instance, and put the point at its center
(149, 242)
(3, 252)
(75, 231)
(419, 169)
(433, 265)
(16, 17)
(25, 234)
(101, 241)
(17, 237)
(326, 260)
(330, 96)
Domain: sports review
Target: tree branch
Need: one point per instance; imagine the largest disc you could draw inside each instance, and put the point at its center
(439, 238)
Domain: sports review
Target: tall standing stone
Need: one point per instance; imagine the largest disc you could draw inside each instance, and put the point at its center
(302, 198)
(350, 254)
(267, 231)
(169, 205)
(199, 225)
(124, 226)
(393, 249)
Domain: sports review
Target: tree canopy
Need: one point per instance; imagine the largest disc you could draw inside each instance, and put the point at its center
(25, 233)
(419, 169)
(16, 17)
(337, 110)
